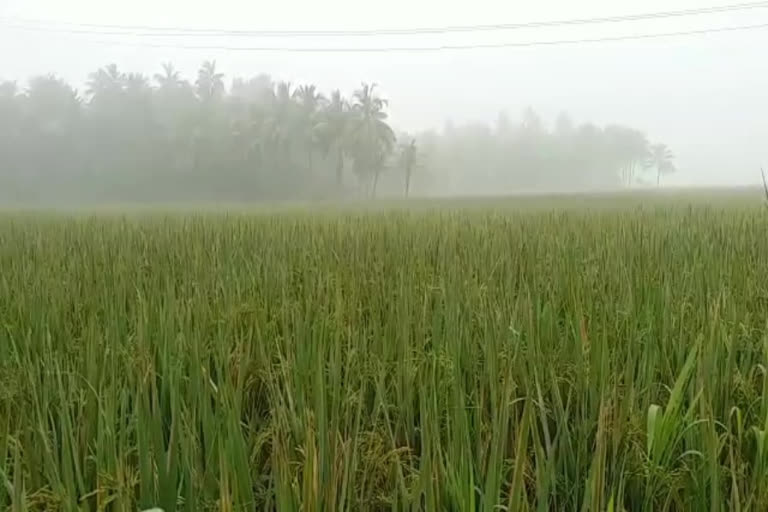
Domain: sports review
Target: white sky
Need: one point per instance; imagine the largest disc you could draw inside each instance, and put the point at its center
(706, 96)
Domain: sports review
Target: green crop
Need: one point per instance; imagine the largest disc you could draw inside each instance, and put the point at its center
(439, 359)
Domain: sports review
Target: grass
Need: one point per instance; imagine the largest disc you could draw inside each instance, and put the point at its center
(599, 359)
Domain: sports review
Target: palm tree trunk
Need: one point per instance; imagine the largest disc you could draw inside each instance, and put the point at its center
(407, 181)
(375, 182)
(658, 177)
(339, 168)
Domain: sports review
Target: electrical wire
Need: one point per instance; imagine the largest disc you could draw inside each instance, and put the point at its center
(149, 31)
(417, 49)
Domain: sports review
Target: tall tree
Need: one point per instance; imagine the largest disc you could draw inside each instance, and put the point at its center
(263, 139)
(662, 159)
(281, 126)
(333, 131)
(170, 78)
(174, 109)
(209, 83)
(259, 90)
(309, 102)
(52, 111)
(52, 104)
(374, 139)
(408, 162)
(628, 149)
(137, 87)
(105, 87)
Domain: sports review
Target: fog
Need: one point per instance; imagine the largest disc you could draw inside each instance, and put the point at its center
(526, 117)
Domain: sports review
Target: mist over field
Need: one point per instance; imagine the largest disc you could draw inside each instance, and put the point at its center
(421, 256)
(127, 139)
(177, 102)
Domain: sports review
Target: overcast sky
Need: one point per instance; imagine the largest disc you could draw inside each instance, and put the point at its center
(706, 96)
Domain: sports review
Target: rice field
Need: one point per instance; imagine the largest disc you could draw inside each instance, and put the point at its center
(546, 359)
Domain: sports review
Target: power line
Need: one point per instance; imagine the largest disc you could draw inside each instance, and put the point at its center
(149, 31)
(415, 49)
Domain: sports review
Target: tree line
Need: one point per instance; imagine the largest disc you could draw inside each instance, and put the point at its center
(529, 156)
(131, 137)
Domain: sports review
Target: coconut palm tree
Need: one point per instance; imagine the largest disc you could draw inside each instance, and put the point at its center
(174, 103)
(138, 99)
(137, 84)
(662, 159)
(107, 82)
(333, 131)
(309, 102)
(259, 90)
(373, 137)
(170, 78)
(209, 83)
(628, 149)
(280, 125)
(308, 97)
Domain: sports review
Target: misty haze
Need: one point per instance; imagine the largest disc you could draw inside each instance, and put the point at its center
(394, 256)
(93, 93)
(134, 138)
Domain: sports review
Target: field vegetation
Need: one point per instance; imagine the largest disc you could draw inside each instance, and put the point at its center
(605, 358)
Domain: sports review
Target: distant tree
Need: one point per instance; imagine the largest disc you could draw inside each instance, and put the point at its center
(258, 90)
(662, 159)
(373, 139)
(628, 149)
(209, 83)
(170, 78)
(532, 122)
(105, 87)
(105, 79)
(135, 137)
(211, 125)
(250, 104)
(136, 85)
(52, 104)
(138, 103)
(281, 127)
(408, 162)
(334, 132)
(174, 107)
(308, 98)
(52, 113)
(309, 102)
(9, 104)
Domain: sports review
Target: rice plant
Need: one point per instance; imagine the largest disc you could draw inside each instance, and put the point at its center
(606, 359)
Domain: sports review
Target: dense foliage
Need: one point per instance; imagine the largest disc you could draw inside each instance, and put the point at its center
(529, 157)
(127, 137)
(474, 359)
